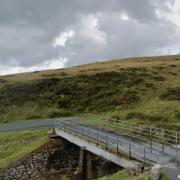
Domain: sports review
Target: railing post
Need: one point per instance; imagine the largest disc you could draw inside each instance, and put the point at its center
(106, 125)
(150, 138)
(140, 133)
(89, 134)
(162, 140)
(70, 128)
(130, 132)
(106, 141)
(81, 131)
(114, 125)
(176, 143)
(97, 137)
(54, 124)
(74, 129)
(144, 155)
(129, 150)
(117, 148)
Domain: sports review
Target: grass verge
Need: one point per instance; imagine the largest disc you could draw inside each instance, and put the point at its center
(121, 175)
(15, 145)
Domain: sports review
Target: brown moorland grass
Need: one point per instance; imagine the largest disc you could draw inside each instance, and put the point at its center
(148, 87)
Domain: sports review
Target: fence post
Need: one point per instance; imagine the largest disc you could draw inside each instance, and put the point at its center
(117, 148)
(106, 124)
(144, 155)
(129, 150)
(81, 131)
(114, 125)
(140, 133)
(151, 138)
(54, 124)
(176, 143)
(130, 132)
(97, 137)
(162, 140)
(89, 134)
(106, 140)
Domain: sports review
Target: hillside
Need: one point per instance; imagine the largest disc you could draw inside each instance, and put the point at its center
(143, 90)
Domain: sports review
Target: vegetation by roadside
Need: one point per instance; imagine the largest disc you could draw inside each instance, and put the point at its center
(15, 145)
(122, 175)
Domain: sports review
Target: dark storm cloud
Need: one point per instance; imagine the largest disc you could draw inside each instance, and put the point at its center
(28, 29)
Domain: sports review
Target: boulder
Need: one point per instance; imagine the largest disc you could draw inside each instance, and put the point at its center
(155, 172)
(134, 171)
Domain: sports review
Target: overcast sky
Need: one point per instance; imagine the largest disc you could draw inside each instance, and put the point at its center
(48, 34)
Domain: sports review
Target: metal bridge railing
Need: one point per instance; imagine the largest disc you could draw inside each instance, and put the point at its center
(156, 138)
(104, 139)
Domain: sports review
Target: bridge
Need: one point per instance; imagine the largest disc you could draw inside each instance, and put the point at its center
(124, 143)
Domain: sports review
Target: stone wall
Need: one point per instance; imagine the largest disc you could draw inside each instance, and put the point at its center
(55, 159)
(50, 158)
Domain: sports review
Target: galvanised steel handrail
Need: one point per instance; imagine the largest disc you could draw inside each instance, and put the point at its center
(103, 138)
(141, 133)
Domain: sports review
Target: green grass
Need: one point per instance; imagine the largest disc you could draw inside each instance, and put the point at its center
(164, 177)
(121, 175)
(145, 89)
(64, 178)
(15, 145)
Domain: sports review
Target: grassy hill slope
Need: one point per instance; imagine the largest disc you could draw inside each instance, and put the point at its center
(145, 90)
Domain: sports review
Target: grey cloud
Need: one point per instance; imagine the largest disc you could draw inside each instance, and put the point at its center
(27, 30)
(126, 38)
